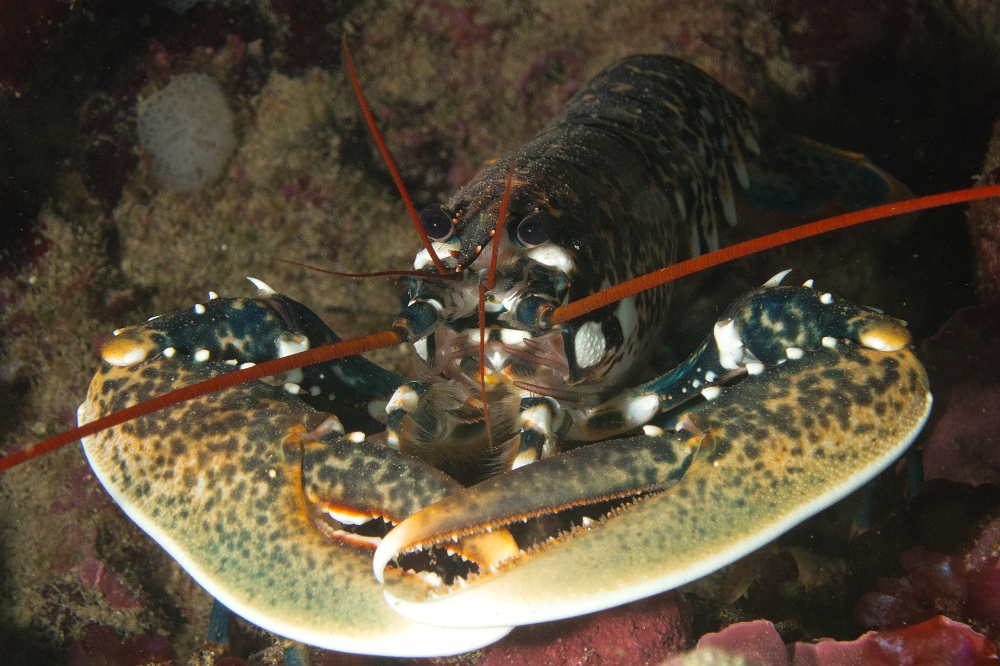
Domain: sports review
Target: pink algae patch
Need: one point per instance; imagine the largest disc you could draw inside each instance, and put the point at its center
(935, 642)
(85, 493)
(94, 573)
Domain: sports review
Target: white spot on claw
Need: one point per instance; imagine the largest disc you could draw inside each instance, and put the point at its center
(199, 308)
(711, 393)
(826, 299)
(794, 353)
(652, 430)
(640, 410)
(169, 352)
(202, 355)
(830, 343)
(709, 376)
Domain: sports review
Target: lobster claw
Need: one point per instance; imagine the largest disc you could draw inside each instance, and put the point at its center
(246, 489)
(764, 455)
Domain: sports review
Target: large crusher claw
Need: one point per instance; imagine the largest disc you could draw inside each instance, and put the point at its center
(264, 501)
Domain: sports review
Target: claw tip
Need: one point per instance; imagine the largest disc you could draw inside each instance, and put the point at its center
(262, 287)
(776, 280)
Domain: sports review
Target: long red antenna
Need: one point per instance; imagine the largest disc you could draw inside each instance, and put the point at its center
(266, 369)
(559, 315)
(664, 275)
(370, 119)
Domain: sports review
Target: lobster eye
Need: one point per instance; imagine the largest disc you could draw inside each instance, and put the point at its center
(536, 228)
(436, 222)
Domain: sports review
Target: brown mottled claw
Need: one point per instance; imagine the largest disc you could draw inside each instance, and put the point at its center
(218, 482)
(776, 450)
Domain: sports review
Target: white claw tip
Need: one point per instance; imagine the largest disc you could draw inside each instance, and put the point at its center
(776, 280)
(263, 288)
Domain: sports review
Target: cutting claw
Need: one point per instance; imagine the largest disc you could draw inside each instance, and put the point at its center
(773, 451)
(594, 483)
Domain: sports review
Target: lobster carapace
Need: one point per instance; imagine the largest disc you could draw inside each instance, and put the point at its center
(274, 495)
(650, 163)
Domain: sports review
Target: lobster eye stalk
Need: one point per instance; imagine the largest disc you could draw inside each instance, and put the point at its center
(436, 222)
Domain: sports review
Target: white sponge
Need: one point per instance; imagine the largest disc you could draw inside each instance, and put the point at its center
(187, 129)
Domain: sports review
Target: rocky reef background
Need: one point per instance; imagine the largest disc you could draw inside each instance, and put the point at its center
(91, 241)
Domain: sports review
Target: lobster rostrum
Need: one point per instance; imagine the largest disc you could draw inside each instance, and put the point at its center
(538, 472)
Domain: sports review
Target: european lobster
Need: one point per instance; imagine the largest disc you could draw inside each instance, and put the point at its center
(648, 163)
